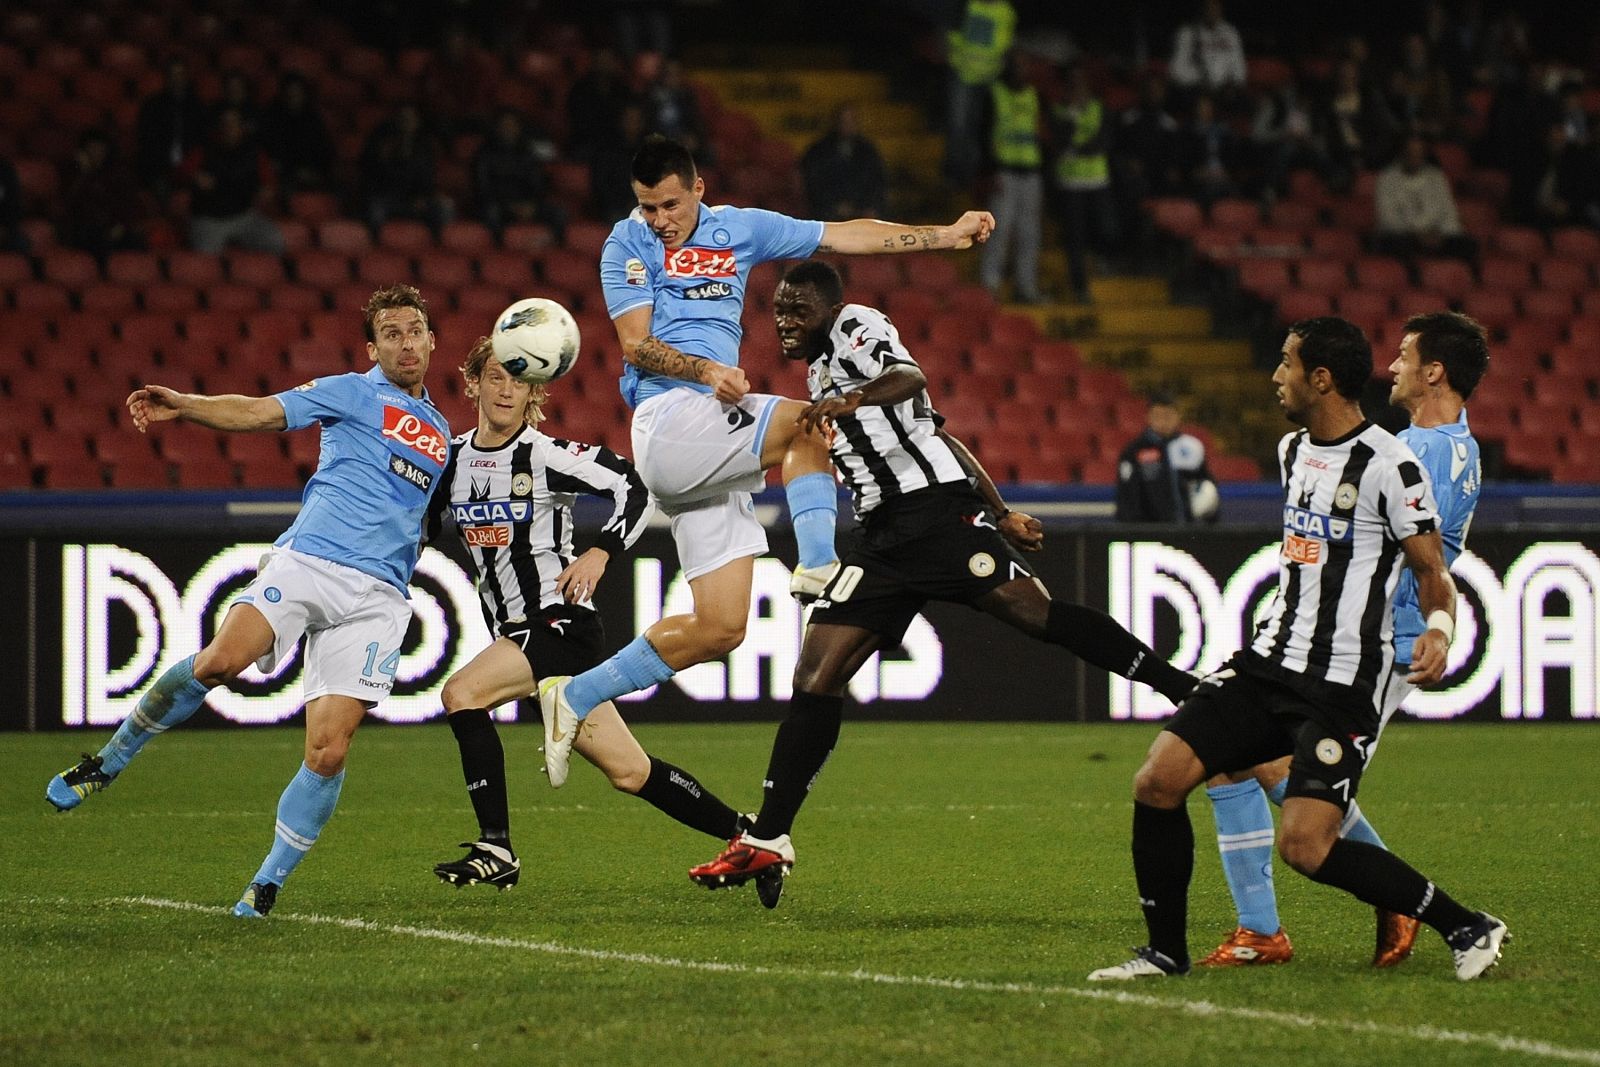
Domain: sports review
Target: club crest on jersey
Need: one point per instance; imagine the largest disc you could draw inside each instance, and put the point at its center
(306, 387)
(425, 440)
(522, 485)
(1328, 751)
(700, 263)
(1345, 496)
(981, 564)
(489, 512)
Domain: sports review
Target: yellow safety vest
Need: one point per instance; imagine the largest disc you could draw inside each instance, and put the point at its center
(978, 49)
(1016, 127)
(1075, 170)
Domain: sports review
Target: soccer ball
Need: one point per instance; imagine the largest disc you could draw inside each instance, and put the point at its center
(535, 340)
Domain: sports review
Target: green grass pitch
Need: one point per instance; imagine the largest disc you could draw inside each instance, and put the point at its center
(954, 885)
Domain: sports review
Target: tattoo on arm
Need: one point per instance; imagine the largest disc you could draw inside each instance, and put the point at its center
(655, 355)
(825, 248)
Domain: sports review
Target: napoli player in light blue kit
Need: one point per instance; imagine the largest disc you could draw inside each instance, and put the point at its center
(1442, 357)
(338, 575)
(674, 274)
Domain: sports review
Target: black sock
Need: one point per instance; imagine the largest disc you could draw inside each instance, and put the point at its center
(1163, 862)
(804, 742)
(483, 762)
(676, 792)
(1100, 640)
(1384, 880)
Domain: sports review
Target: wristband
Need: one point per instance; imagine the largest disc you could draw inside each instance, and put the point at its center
(1441, 621)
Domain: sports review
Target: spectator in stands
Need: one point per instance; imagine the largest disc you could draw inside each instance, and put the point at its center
(1455, 39)
(672, 110)
(1081, 132)
(1419, 91)
(1017, 202)
(1572, 115)
(843, 172)
(398, 174)
(101, 209)
(1557, 186)
(1356, 126)
(611, 167)
(977, 47)
(1162, 474)
(1416, 210)
(1144, 151)
(1282, 138)
(296, 136)
(1518, 116)
(640, 26)
(509, 181)
(1208, 55)
(459, 87)
(170, 126)
(239, 94)
(1206, 151)
(12, 239)
(230, 179)
(595, 103)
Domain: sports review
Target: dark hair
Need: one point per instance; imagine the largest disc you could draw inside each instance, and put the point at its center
(822, 276)
(1161, 398)
(1457, 343)
(1340, 346)
(660, 156)
(396, 296)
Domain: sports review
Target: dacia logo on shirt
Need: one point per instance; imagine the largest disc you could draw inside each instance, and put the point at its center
(1315, 524)
(487, 512)
(708, 291)
(411, 473)
(700, 263)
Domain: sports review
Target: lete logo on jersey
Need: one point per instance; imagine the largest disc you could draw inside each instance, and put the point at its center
(417, 435)
(700, 263)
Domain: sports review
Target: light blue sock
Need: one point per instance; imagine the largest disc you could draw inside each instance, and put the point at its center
(172, 699)
(1244, 836)
(303, 810)
(1356, 828)
(1276, 793)
(636, 666)
(813, 513)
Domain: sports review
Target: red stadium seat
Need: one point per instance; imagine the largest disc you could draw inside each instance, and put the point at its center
(405, 235)
(259, 270)
(445, 270)
(1329, 277)
(344, 236)
(301, 299)
(1364, 305)
(380, 269)
(1520, 241)
(510, 270)
(1551, 306)
(197, 269)
(270, 472)
(149, 333)
(313, 357)
(133, 268)
(313, 208)
(1266, 278)
(1294, 306)
(1565, 275)
(1506, 274)
(1059, 358)
(1447, 278)
(1016, 330)
(172, 298)
(1236, 214)
(1379, 272)
(1336, 244)
(75, 270)
(473, 238)
(108, 299)
(1293, 215)
(575, 275)
(1494, 309)
(239, 299)
(1178, 216)
(531, 237)
(322, 269)
(1582, 245)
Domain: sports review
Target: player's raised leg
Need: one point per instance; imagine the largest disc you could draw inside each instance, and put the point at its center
(812, 495)
(244, 636)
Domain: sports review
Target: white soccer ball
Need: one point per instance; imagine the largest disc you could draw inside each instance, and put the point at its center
(535, 340)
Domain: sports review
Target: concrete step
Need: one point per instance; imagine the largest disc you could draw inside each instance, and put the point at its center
(783, 83)
(1114, 322)
(1193, 354)
(801, 122)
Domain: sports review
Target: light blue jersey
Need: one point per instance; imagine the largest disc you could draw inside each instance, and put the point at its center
(382, 452)
(1450, 456)
(697, 291)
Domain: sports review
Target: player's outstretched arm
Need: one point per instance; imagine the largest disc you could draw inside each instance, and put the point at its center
(1436, 596)
(647, 352)
(157, 403)
(1022, 530)
(897, 383)
(861, 237)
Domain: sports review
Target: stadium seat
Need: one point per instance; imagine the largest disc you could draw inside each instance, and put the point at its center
(1506, 274)
(530, 237)
(192, 446)
(1330, 277)
(1336, 244)
(1011, 329)
(1553, 307)
(133, 269)
(445, 271)
(72, 269)
(407, 236)
(313, 208)
(1564, 275)
(344, 236)
(1237, 214)
(148, 333)
(1178, 216)
(485, 301)
(1382, 273)
(1580, 245)
(1293, 215)
(1265, 278)
(78, 474)
(259, 270)
(171, 298)
(216, 475)
(277, 329)
(1294, 306)
(1059, 358)
(269, 472)
(1479, 218)
(1495, 309)
(956, 329)
(239, 299)
(301, 299)
(197, 269)
(313, 357)
(932, 271)
(1364, 305)
(107, 299)
(1278, 241)
(322, 269)
(1520, 241)
(1450, 279)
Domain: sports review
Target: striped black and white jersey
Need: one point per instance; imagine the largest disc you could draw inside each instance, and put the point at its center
(880, 452)
(1347, 506)
(512, 506)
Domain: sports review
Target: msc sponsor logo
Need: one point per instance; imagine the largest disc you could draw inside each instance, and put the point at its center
(700, 263)
(404, 427)
(487, 536)
(1315, 524)
(489, 512)
(708, 291)
(411, 472)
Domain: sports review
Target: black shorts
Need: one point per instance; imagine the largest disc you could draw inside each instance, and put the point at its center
(1245, 714)
(940, 543)
(564, 639)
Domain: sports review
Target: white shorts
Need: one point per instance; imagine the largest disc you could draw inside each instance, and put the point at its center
(353, 623)
(1396, 692)
(701, 460)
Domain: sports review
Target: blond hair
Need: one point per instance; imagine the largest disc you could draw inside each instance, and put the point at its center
(472, 371)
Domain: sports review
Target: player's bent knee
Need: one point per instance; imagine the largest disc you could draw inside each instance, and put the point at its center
(1158, 787)
(1303, 849)
(213, 666)
(458, 696)
(628, 779)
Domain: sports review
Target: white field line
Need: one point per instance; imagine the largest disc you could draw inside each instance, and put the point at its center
(1199, 1008)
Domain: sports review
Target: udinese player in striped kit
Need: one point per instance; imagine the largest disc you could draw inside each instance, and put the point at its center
(1357, 508)
(510, 491)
